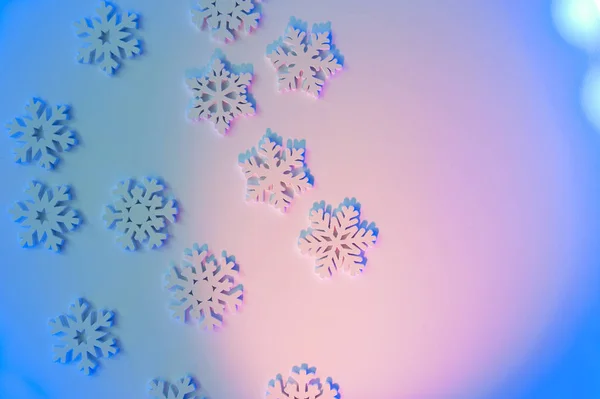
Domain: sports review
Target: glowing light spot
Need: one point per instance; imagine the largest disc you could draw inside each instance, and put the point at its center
(578, 22)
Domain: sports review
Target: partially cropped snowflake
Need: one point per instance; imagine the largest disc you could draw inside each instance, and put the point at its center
(84, 336)
(45, 216)
(275, 173)
(42, 133)
(204, 287)
(304, 63)
(337, 238)
(302, 383)
(108, 38)
(220, 95)
(184, 388)
(140, 213)
(226, 19)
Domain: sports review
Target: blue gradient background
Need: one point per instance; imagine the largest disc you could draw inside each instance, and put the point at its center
(459, 127)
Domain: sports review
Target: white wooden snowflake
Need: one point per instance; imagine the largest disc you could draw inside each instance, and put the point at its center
(302, 383)
(184, 388)
(42, 133)
(220, 95)
(304, 63)
(108, 38)
(337, 238)
(45, 216)
(140, 213)
(84, 336)
(275, 173)
(226, 18)
(204, 287)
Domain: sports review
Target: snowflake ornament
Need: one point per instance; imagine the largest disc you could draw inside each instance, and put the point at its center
(275, 173)
(184, 388)
(302, 383)
(140, 213)
(45, 216)
(108, 38)
(42, 133)
(84, 336)
(226, 19)
(221, 93)
(204, 287)
(304, 63)
(337, 238)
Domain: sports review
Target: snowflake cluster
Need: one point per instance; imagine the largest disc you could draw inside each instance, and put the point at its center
(275, 173)
(204, 287)
(84, 336)
(337, 238)
(184, 388)
(108, 38)
(45, 216)
(42, 133)
(302, 383)
(302, 61)
(226, 18)
(220, 95)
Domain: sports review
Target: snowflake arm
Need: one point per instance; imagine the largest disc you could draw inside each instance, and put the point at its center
(302, 383)
(226, 18)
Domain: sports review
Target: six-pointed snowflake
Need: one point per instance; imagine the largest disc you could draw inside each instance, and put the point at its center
(204, 287)
(42, 133)
(220, 95)
(275, 173)
(108, 38)
(141, 213)
(84, 335)
(302, 383)
(184, 388)
(304, 63)
(226, 18)
(337, 238)
(46, 216)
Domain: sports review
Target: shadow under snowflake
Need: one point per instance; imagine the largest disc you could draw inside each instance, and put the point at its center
(85, 336)
(275, 173)
(42, 133)
(337, 238)
(184, 388)
(108, 38)
(204, 287)
(45, 216)
(302, 383)
(141, 213)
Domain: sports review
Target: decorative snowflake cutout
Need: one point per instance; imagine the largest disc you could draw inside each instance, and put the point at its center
(302, 383)
(84, 335)
(220, 94)
(302, 63)
(274, 172)
(108, 39)
(204, 287)
(141, 213)
(42, 133)
(184, 388)
(226, 18)
(337, 238)
(46, 216)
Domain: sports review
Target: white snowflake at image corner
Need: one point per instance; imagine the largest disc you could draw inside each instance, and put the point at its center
(226, 18)
(220, 96)
(84, 336)
(302, 383)
(45, 216)
(140, 213)
(108, 38)
(184, 388)
(204, 287)
(275, 173)
(302, 63)
(337, 239)
(42, 133)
